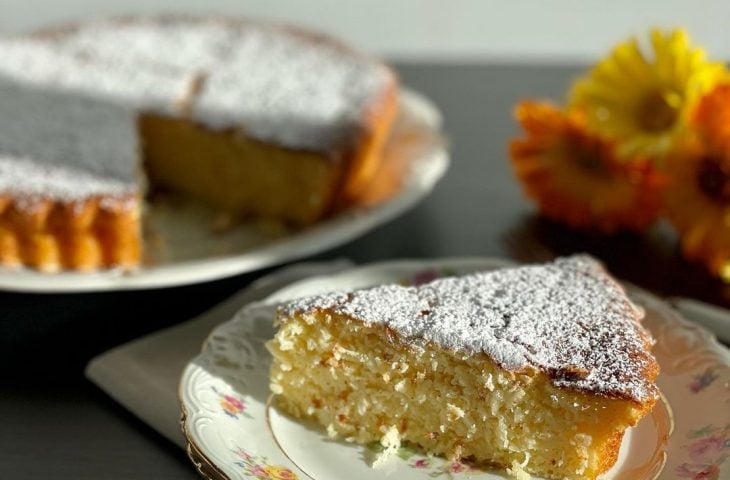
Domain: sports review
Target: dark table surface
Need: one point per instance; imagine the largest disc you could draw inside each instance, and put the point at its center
(56, 424)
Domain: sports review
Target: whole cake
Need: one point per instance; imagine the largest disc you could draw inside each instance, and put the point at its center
(251, 118)
(538, 369)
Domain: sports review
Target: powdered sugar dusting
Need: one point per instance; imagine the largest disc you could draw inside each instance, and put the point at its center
(276, 84)
(66, 148)
(567, 318)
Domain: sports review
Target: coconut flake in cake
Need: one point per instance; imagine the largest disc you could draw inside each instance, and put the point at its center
(567, 318)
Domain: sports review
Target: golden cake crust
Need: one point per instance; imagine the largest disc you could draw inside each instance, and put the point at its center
(83, 235)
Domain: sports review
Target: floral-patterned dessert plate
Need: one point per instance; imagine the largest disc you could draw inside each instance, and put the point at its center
(186, 243)
(235, 431)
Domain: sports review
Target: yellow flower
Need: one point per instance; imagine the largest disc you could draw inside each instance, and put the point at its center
(575, 177)
(643, 98)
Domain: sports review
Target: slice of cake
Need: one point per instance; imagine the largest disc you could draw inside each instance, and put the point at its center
(539, 369)
(250, 118)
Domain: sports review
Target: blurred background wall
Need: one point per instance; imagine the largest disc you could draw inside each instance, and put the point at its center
(454, 30)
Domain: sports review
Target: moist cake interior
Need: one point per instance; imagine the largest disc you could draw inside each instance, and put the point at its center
(238, 174)
(538, 369)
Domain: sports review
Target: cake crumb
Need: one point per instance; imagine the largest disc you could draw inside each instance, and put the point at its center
(391, 439)
(453, 412)
(362, 406)
(517, 470)
(489, 384)
(390, 442)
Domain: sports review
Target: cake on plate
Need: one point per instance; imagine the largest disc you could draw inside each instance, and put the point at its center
(250, 118)
(538, 369)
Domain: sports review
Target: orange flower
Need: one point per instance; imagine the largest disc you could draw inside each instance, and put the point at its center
(576, 177)
(697, 198)
(712, 118)
(697, 202)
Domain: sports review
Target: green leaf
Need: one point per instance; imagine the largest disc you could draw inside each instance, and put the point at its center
(405, 453)
(702, 432)
(375, 447)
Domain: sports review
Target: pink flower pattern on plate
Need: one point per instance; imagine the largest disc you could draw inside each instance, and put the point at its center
(703, 380)
(429, 275)
(433, 467)
(258, 467)
(421, 463)
(232, 405)
(707, 451)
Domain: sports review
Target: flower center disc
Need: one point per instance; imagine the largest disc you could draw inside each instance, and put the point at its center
(658, 111)
(589, 157)
(713, 180)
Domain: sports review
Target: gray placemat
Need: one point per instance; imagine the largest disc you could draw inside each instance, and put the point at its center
(143, 375)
